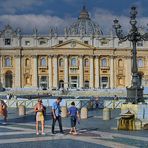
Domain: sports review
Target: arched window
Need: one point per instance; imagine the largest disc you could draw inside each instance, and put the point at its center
(61, 84)
(43, 62)
(120, 63)
(8, 79)
(73, 62)
(61, 62)
(8, 62)
(140, 63)
(104, 62)
(86, 84)
(86, 63)
(27, 62)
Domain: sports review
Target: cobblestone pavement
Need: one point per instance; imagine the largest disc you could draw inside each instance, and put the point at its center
(93, 132)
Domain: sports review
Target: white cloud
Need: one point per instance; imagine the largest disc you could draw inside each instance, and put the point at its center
(43, 22)
(28, 22)
(11, 6)
(105, 19)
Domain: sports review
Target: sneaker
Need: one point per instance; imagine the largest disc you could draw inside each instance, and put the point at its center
(37, 133)
(61, 132)
(43, 133)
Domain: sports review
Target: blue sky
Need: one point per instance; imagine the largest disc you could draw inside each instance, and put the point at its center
(42, 14)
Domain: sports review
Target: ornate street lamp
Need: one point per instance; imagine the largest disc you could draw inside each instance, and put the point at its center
(135, 91)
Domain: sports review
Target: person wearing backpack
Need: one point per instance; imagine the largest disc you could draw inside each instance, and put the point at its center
(74, 114)
(56, 115)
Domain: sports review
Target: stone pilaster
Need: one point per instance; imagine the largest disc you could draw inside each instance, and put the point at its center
(50, 73)
(17, 71)
(111, 72)
(91, 83)
(55, 72)
(66, 68)
(81, 72)
(35, 72)
(1, 73)
(97, 74)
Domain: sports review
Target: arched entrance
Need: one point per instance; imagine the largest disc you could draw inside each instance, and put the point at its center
(61, 84)
(8, 79)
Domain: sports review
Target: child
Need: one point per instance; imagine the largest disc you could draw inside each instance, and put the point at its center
(74, 114)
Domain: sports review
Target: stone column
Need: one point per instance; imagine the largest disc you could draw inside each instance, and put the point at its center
(97, 76)
(50, 73)
(128, 73)
(1, 72)
(81, 72)
(111, 72)
(55, 72)
(17, 71)
(35, 72)
(66, 68)
(91, 83)
(115, 72)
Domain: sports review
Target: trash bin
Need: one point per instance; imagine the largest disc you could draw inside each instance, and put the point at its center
(22, 110)
(84, 113)
(106, 114)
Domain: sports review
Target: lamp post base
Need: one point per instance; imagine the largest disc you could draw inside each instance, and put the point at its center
(135, 94)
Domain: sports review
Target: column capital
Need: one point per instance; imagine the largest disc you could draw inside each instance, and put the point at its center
(81, 56)
(17, 56)
(65, 56)
(92, 56)
(55, 56)
(34, 56)
(50, 56)
(96, 56)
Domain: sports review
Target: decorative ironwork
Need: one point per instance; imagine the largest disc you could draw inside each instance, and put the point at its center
(135, 92)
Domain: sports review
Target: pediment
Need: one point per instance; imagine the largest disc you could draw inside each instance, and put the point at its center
(73, 44)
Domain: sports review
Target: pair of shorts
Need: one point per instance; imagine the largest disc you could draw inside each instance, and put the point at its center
(39, 116)
(73, 121)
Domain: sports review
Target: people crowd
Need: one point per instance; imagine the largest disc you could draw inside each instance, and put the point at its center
(40, 112)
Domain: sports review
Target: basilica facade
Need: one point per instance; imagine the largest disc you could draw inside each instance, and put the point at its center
(80, 58)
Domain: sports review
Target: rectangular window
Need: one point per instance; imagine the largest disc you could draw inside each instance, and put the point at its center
(140, 43)
(27, 43)
(86, 42)
(60, 42)
(7, 41)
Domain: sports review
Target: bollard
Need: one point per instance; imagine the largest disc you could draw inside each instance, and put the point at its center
(106, 114)
(22, 110)
(84, 113)
(64, 111)
(90, 105)
(138, 124)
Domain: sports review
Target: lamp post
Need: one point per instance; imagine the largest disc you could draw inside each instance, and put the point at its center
(135, 91)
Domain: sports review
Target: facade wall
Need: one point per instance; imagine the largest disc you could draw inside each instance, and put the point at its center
(53, 62)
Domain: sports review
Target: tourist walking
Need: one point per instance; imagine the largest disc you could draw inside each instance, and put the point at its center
(56, 115)
(97, 102)
(74, 115)
(3, 110)
(39, 110)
